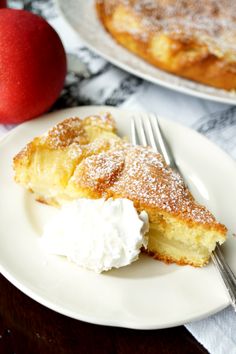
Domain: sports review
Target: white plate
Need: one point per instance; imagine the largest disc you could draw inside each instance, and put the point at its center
(147, 294)
(81, 16)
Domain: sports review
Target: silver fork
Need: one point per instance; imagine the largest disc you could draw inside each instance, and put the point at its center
(146, 131)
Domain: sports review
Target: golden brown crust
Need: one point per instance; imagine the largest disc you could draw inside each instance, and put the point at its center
(76, 158)
(138, 174)
(85, 158)
(182, 261)
(193, 39)
(70, 132)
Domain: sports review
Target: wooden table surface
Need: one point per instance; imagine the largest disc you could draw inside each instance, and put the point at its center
(26, 327)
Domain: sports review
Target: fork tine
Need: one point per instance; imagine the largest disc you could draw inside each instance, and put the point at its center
(150, 135)
(145, 130)
(161, 140)
(134, 136)
(141, 131)
(164, 146)
(138, 134)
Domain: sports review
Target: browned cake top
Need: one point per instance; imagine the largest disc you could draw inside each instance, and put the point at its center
(65, 133)
(73, 130)
(210, 21)
(137, 173)
(107, 166)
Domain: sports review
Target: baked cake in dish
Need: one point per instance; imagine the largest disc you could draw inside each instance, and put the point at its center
(86, 158)
(192, 39)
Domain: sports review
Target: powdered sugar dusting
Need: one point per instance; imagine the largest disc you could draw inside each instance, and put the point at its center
(65, 133)
(73, 130)
(105, 166)
(137, 173)
(100, 171)
(212, 22)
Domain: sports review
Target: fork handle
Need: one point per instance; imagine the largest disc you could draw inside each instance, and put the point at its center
(226, 274)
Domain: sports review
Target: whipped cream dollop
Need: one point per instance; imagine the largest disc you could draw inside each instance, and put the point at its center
(97, 234)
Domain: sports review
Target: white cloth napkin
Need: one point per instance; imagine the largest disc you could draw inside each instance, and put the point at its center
(216, 333)
(91, 80)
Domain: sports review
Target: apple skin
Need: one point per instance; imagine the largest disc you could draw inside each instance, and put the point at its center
(3, 3)
(32, 66)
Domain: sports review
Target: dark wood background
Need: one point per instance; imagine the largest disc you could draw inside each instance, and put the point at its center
(27, 327)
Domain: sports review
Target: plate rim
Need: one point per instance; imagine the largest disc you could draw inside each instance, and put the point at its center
(28, 291)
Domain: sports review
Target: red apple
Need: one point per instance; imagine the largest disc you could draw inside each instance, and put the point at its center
(32, 66)
(3, 3)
